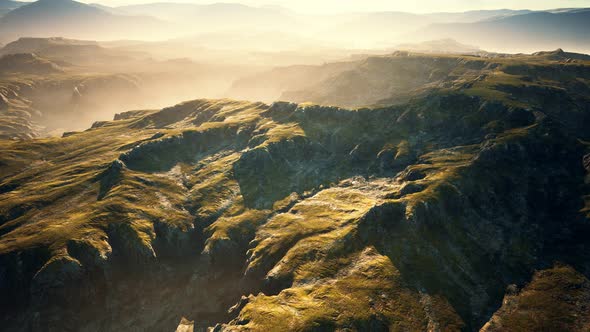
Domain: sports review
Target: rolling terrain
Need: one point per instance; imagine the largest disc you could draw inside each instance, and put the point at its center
(458, 201)
(52, 85)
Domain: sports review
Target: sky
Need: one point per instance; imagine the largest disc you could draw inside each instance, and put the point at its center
(416, 6)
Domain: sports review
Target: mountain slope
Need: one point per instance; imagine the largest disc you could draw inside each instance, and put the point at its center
(528, 32)
(475, 15)
(270, 85)
(68, 18)
(296, 216)
(396, 78)
(7, 5)
(208, 18)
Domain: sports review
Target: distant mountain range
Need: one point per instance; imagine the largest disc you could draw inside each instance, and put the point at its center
(475, 15)
(49, 18)
(8, 5)
(567, 28)
(528, 30)
(216, 13)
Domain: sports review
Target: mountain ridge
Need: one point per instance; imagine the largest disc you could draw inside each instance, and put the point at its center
(302, 216)
(69, 18)
(552, 30)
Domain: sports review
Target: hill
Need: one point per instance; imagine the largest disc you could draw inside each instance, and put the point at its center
(37, 45)
(76, 52)
(27, 63)
(253, 216)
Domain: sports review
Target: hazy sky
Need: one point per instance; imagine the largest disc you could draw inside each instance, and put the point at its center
(418, 6)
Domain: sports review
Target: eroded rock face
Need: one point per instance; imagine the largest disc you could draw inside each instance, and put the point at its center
(410, 217)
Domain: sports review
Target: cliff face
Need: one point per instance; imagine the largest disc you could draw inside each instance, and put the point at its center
(249, 216)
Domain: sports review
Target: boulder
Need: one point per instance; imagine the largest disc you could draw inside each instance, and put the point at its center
(185, 325)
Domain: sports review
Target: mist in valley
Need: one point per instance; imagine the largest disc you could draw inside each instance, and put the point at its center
(95, 60)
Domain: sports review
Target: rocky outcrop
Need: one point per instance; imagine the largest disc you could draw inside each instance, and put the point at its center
(267, 174)
(185, 326)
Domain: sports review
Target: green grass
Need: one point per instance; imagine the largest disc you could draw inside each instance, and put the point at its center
(366, 292)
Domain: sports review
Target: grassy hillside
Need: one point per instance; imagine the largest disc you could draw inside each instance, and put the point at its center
(397, 78)
(286, 216)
